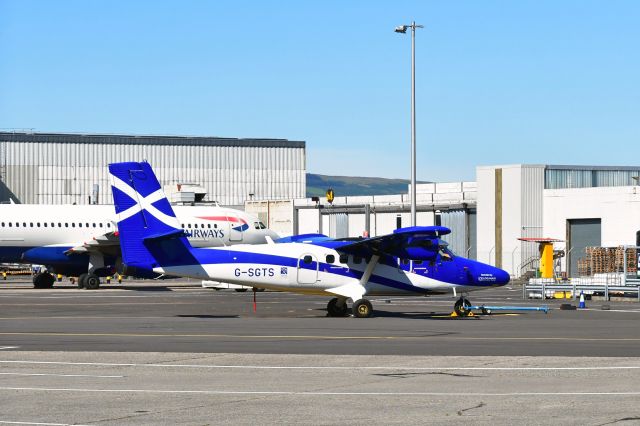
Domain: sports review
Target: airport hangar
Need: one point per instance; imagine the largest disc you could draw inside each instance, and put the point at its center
(582, 206)
(60, 168)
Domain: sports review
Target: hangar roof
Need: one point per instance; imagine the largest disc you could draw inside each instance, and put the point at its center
(147, 140)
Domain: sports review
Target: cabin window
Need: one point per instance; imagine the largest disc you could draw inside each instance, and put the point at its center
(215, 225)
(9, 224)
(357, 259)
(94, 225)
(30, 224)
(344, 258)
(60, 225)
(189, 226)
(87, 224)
(73, 225)
(24, 224)
(3, 224)
(45, 224)
(66, 225)
(307, 259)
(80, 225)
(209, 225)
(38, 224)
(108, 225)
(331, 258)
(17, 224)
(53, 225)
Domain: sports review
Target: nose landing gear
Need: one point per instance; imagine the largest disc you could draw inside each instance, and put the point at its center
(462, 307)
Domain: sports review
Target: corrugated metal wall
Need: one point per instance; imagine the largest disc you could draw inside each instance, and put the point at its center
(532, 181)
(55, 173)
(456, 220)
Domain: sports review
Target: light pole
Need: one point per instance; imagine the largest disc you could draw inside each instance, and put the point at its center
(403, 29)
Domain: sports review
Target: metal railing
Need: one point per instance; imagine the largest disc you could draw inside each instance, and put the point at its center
(606, 285)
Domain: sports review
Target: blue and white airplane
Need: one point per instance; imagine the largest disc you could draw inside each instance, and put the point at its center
(411, 261)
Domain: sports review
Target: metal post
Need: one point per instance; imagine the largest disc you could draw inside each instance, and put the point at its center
(413, 123)
(367, 219)
(624, 266)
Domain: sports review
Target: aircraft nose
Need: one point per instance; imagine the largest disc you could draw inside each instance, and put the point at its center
(502, 276)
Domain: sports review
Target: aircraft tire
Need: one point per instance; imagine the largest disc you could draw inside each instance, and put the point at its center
(241, 290)
(335, 309)
(461, 307)
(362, 309)
(91, 282)
(81, 280)
(43, 280)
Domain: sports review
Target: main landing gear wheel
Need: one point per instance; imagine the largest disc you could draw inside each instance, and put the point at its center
(362, 309)
(91, 282)
(43, 280)
(462, 307)
(82, 280)
(337, 308)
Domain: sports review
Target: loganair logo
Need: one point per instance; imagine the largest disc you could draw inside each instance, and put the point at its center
(143, 203)
(240, 225)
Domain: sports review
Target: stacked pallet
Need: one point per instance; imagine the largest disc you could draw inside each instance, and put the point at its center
(602, 260)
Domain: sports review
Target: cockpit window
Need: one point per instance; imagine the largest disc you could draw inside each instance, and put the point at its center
(446, 254)
(262, 226)
(256, 225)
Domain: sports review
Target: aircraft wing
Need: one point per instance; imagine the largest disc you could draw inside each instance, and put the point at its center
(108, 243)
(416, 242)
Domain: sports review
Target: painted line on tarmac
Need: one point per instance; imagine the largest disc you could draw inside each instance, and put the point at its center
(61, 375)
(322, 337)
(8, 347)
(320, 367)
(315, 393)
(7, 422)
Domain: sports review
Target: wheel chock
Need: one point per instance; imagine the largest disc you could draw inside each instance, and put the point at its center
(455, 315)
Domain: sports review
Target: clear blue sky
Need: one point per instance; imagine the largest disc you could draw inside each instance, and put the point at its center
(497, 81)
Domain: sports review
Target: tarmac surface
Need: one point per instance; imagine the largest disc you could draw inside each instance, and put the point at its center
(143, 353)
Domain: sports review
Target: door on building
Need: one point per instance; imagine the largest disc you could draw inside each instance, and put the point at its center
(581, 233)
(307, 269)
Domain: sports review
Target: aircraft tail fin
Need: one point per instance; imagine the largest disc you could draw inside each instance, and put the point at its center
(150, 234)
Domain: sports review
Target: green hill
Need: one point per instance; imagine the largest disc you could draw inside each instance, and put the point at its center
(317, 185)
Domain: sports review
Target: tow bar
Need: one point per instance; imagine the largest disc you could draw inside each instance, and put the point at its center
(487, 309)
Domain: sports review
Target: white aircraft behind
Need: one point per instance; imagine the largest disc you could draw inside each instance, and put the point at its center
(82, 240)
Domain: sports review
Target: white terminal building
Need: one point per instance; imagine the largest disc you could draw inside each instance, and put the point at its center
(582, 206)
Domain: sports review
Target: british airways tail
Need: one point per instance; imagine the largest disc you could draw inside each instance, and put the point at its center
(150, 233)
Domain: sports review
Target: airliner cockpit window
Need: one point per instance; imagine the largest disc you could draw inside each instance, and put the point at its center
(262, 226)
(256, 225)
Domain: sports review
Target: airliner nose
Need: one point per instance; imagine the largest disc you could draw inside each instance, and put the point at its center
(272, 234)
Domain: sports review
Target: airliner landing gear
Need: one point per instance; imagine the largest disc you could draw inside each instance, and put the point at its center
(88, 281)
(362, 309)
(461, 308)
(43, 280)
(337, 307)
(91, 282)
(81, 279)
